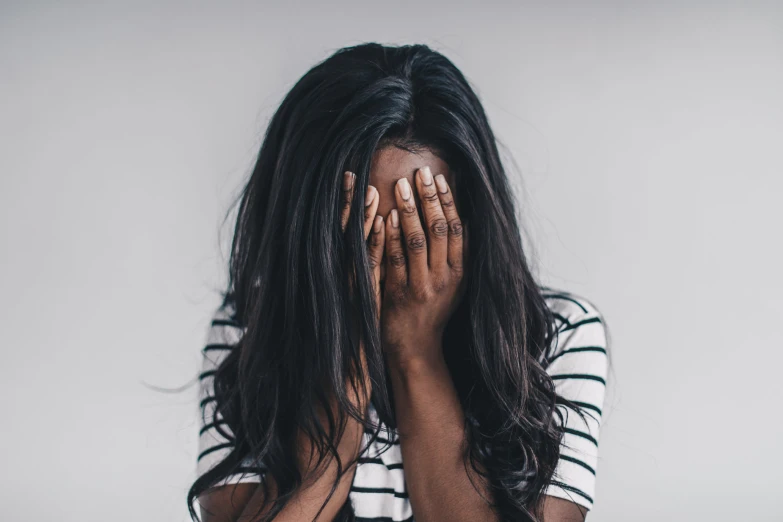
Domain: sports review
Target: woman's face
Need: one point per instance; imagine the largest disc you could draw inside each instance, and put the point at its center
(390, 164)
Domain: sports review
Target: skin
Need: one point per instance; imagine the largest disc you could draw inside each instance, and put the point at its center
(417, 249)
(388, 166)
(242, 501)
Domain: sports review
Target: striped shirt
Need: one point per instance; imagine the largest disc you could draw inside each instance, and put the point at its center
(578, 367)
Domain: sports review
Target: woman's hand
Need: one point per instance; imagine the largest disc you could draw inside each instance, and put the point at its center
(422, 291)
(373, 224)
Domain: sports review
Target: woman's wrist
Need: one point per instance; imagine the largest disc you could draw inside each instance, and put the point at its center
(426, 356)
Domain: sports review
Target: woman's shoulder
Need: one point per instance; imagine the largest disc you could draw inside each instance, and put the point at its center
(581, 328)
(569, 307)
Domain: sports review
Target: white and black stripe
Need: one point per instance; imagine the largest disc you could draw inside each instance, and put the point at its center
(578, 367)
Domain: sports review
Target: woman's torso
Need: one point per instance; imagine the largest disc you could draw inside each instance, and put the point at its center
(379, 491)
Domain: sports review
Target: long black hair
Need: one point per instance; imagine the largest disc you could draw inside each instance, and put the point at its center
(289, 268)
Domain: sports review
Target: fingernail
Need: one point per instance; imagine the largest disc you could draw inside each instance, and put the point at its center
(440, 181)
(348, 179)
(405, 188)
(395, 218)
(426, 176)
(370, 196)
(378, 223)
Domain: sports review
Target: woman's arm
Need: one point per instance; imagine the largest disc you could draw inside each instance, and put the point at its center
(244, 501)
(229, 503)
(557, 509)
(424, 283)
(430, 424)
(304, 505)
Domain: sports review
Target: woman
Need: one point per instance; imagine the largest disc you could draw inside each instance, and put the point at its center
(383, 351)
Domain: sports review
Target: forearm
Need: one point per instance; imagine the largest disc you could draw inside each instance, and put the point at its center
(306, 502)
(430, 424)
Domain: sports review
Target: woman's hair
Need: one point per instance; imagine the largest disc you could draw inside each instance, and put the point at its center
(290, 262)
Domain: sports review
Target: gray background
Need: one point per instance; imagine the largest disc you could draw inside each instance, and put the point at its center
(649, 144)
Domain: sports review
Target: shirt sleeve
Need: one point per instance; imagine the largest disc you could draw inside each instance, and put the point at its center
(216, 439)
(578, 367)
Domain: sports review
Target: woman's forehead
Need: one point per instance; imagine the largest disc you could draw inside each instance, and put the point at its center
(391, 163)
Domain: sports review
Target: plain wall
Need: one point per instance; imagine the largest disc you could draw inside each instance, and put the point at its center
(649, 141)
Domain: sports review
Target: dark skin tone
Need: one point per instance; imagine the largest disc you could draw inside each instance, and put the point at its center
(417, 249)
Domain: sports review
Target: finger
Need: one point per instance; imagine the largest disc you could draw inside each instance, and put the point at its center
(396, 269)
(435, 219)
(346, 198)
(455, 224)
(375, 255)
(371, 201)
(414, 236)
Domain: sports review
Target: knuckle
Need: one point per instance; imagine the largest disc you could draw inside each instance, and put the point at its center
(409, 209)
(422, 293)
(375, 240)
(448, 203)
(438, 284)
(416, 241)
(398, 292)
(431, 197)
(439, 228)
(455, 226)
(397, 259)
